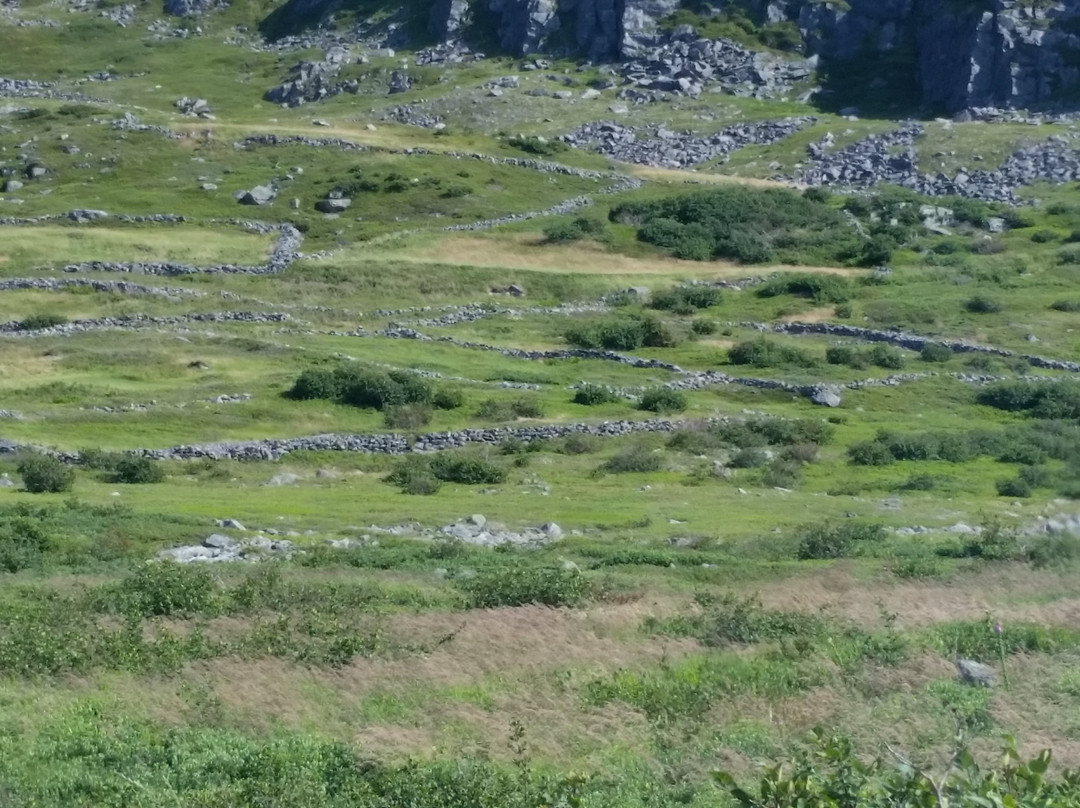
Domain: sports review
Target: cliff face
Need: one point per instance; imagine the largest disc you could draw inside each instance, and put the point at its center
(963, 53)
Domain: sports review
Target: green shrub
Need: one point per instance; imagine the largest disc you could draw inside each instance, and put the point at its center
(1044, 236)
(494, 409)
(840, 354)
(167, 589)
(1014, 487)
(36, 322)
(579, 228)
(522, 586)
(749, 458)
(935, 352)
(593, 395)
(885, 356)
(836, 539)
(315, 383)
(635, 457)
(765, 353)
(24, 543)
(743, 224)
(625, 333)
(378, 389)
(579, 443)
(1066, 305)
(663, 400)
(448, 398)
(685, 299)
(980, 304)
(413, 475)
(819, 288)
(44, 474)
(466, 469)
(1038, 399)
(703, 327)
(870, 453)
(138, 470)
(407, 416)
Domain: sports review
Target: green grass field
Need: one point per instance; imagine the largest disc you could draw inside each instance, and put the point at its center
(712, 594)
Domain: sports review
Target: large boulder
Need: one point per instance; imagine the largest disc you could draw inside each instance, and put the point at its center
(259, 195)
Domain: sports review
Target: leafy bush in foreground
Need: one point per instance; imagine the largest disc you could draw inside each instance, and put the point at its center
(43, 474)
(832, 775)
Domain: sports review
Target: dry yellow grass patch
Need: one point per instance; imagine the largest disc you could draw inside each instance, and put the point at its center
(818, 315)
(687, 176)
(1017, 594)
(524, 251)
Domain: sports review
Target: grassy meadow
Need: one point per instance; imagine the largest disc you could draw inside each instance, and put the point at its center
(712, 593)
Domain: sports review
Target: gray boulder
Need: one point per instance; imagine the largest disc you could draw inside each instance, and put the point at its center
(826, 396)
(399, 82)
(333, 205)
(11, 186)
(974, 673)
(259, 195)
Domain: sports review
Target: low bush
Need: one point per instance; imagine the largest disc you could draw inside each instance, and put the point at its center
(494, 409)
(137, 470)
(633, 458)
(886, 356)
(819, 288)
(935, 352)
(1015, 487)
(448, 398)
(36, 322)
(702, 327)
(421, 474)
(625, 333)
(579, 228)
(525, 585)
(44, 474)
(1071, 306)
(836, 539)
(1038, 399)
(315, 383)
(167, 589)
(579, 443)
(407, 416)
(686, 299)
(593, 395)
(980, 304)
(663, 400)
(765, 353)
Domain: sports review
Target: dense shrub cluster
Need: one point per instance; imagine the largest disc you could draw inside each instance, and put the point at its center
(880, 355)
(819, 288)
(1050, 399)
(44, 474)
(624, 333)
(371, 388)
(753, 433)
(663, 400)
(685, 299)
(592, 395)
(836, 539)
(422, 474)
(766, 353)
(521, 586)
(748, 225)
(578, 228)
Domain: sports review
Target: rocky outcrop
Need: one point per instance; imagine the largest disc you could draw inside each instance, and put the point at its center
(958, 53)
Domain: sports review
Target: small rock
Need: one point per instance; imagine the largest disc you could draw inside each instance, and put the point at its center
(284, 478)
(975, 673)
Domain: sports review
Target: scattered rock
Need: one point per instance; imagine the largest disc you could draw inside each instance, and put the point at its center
(974, 673)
